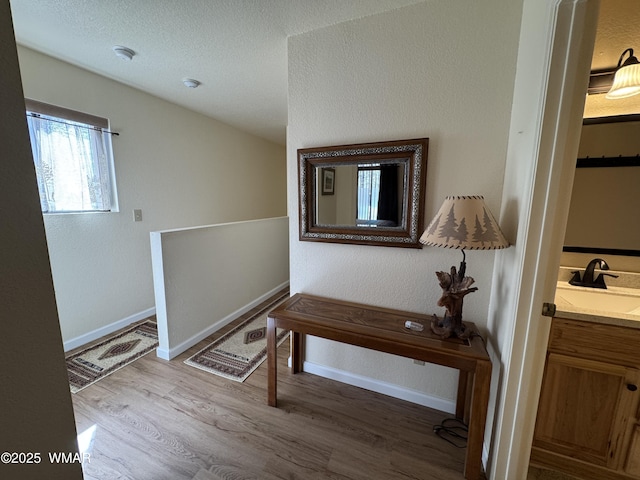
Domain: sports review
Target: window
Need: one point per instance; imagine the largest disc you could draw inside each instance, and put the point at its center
(380, 191)
(73, 159)
(368, 194)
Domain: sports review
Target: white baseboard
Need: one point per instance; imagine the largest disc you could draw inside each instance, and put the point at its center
(168, 354)
(107, 329)
(379, 386)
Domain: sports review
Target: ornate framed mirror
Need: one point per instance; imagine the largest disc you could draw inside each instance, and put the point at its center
(368, 194)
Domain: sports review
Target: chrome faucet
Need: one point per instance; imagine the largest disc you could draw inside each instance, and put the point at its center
(587, 279)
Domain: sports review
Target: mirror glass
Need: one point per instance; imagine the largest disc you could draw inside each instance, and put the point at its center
(606, 189)
(362, 195)
(365, 194)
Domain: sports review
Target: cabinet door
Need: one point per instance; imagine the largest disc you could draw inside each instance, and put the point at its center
(586, 410)
(632, 466)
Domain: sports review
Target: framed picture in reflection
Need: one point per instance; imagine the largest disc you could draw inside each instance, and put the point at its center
(328, 181)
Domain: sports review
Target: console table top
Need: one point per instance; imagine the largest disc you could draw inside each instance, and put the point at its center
(376, 322)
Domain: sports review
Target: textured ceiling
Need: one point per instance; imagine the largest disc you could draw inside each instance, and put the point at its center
(236, 48)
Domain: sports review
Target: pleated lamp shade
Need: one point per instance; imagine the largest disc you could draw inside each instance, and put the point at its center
(464, 222)
(626, 82)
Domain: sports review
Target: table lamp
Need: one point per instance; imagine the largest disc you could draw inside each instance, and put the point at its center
(463, 222)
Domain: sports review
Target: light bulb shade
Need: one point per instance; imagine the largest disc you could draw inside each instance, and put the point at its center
(626, 82)
(464, 222)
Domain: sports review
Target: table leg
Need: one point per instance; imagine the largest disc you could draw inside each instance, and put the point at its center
(272, 361)
(297, 354)
(463, 400)
(477, 420)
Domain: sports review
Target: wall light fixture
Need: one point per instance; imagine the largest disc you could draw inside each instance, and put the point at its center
(621, 81)
(626, 81)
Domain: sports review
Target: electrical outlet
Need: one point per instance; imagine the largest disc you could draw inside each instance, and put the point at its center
(137, 215)
(418, 362)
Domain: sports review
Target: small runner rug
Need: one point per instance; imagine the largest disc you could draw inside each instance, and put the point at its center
(239, 352)
(96, 362)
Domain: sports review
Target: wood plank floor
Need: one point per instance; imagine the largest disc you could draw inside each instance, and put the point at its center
(161, 420)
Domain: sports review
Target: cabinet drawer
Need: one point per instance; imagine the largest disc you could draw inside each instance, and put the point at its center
(610, 343)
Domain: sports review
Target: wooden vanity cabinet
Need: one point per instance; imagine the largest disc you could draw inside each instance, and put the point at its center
(588, 415)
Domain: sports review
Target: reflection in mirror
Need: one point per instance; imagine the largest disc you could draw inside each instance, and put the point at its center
(605, 190)
(363, 195)
(366, 194)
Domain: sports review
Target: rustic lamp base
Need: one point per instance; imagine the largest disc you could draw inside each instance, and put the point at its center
(449, 327)
(455, 286)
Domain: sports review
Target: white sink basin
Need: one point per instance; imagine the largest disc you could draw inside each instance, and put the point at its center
(610, 301)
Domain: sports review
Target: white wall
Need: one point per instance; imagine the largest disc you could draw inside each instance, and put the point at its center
(205, 277)
(181, 168)
(35, 405)
(599, 106)
(440, 69)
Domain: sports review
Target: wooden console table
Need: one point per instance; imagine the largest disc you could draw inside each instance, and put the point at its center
(383, 329)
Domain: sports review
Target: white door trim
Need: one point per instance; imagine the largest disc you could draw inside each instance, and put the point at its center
(554, 58)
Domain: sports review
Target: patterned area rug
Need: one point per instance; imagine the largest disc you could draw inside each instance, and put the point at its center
(98, 361)
(239, 352)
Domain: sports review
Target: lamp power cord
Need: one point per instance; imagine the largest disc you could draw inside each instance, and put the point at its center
(453, 431)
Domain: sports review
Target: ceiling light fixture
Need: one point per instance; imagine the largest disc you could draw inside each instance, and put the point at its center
(123, 52)
(190, 82)
(620, 82)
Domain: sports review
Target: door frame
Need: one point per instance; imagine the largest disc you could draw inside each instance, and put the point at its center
(554, 58)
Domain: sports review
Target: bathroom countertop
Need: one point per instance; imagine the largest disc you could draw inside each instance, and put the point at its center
(583, 314)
